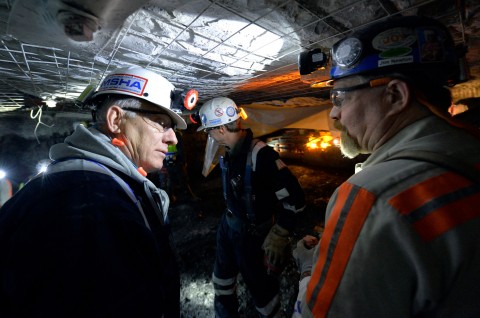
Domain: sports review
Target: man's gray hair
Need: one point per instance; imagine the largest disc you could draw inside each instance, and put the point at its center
(130, 102)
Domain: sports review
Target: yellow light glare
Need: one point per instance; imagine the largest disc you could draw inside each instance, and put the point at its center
(324, 145)
(312, 145)
(322, 84)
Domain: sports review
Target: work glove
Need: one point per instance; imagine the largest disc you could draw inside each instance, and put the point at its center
(277, 249)
(303, 255)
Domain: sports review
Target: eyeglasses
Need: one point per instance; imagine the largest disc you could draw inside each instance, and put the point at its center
(161, 121)
(207, 130)
(337, 95)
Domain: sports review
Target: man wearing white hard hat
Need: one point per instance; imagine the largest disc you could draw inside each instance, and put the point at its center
(262, 200)
(90, 236)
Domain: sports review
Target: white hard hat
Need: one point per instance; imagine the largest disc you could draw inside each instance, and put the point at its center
(217, 112)
(144, 84)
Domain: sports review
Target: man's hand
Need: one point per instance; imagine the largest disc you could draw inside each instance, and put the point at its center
(277, 249)
(303, 254)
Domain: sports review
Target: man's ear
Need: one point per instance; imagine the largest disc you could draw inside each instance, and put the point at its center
(398, 95)
(114, 119)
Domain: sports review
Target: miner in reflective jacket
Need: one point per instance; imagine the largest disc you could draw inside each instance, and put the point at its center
(401, 236)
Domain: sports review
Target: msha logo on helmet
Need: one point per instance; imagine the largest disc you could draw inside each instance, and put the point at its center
(125, 83)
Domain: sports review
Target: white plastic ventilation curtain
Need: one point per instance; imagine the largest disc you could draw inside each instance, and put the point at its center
(304, 112)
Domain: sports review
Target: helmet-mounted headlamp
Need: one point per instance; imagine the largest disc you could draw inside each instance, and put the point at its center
(184, 100)
(314, 67)
(310, 61)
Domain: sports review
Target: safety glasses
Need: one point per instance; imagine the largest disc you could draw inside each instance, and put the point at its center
(207, 130)
(337, 95)
(161, 121)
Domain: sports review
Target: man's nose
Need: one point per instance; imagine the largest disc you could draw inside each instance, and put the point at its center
(335, 113)
(170, 137)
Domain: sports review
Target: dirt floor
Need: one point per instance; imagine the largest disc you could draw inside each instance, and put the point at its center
(194, 225)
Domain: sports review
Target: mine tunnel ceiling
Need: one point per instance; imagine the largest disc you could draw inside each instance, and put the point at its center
(247, 50)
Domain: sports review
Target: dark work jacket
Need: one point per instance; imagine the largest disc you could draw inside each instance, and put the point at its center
(74, 244)
(271, 180)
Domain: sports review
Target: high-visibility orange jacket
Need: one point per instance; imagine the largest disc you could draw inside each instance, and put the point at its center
(402, 237)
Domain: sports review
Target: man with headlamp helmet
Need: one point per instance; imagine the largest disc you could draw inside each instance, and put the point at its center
(90, 237)
(401, 235)
(262, 199)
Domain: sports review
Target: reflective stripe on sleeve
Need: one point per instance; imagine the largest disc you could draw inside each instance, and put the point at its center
(282, 194)
(292, 208)
(350, 211)
(437, 205)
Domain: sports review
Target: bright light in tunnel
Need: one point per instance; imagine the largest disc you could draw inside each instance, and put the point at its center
(42, 165)
(267, 44)
(50, 103)
(324, 145)
(239, 46)
(3, 174)
(260, 42)
(42, 168)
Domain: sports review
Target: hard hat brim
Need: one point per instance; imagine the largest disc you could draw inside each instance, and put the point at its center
(179, 121)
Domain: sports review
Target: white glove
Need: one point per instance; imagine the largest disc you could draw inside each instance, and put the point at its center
(304, 255)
